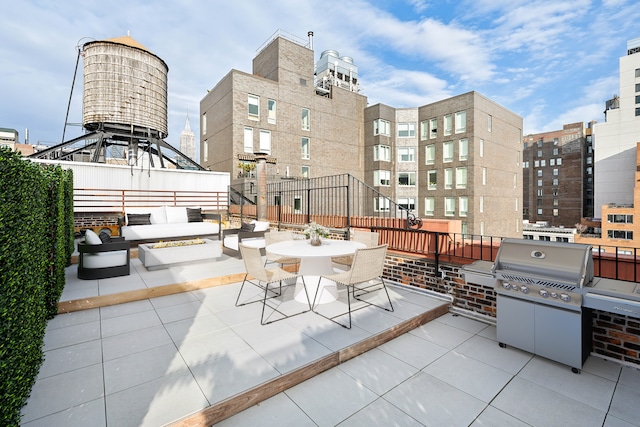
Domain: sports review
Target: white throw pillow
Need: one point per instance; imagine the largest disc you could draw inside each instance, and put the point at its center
(176, 215)
(92, 238)
(260, 225)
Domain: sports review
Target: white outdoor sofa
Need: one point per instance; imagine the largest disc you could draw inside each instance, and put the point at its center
(145, 224)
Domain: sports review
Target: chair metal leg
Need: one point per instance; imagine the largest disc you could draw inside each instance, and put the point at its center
(264, 305)
(333, 318)
(238, 304)
(365, 291)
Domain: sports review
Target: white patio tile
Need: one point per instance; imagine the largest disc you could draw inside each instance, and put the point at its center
(171, 300)
(128, 323)
(138, 368)
(232, 373)
(330, 397)
(630, 377)
(133, 342)
(71, 335)
(190, 328)
(71, 357)
(466, 324)
(587, 388)
(509, 359)
(602, 368)
(86, 414)
(434, 403)
(413, 350)
(625, 404)
(179, 312)
(611, 421)
(539, 406)
(156, 402)
(335, 337)
(63, 320)
(478, 379)
(496, 418)
(380, 413)
(77, 291)
(286, 353)
(80, 386)
(442, 334)
(277, 411)
(377, 370)
(125, 309)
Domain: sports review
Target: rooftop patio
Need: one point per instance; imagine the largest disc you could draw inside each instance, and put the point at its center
(193, 358)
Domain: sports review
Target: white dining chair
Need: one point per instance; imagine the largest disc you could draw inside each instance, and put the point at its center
(260, 276)
(369, 238)
(276, 237)
(364, 276)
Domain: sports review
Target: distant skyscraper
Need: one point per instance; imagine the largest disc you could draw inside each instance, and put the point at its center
(188, 141)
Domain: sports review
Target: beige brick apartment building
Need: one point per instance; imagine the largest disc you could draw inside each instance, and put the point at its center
(458, 158)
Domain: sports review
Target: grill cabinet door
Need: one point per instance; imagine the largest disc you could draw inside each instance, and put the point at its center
(559, 335)
(516, 323)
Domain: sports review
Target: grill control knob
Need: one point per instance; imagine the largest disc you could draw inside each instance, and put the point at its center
(506, 285)
(554, 295)
(543, 293)
(515, 287)
(565, 297)
(524, 289)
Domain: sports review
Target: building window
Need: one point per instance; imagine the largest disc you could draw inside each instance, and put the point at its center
(539, 143)
(552, 162)
(484, 176)
(589, 170)
(555, 212)
(637, 112)
(204, 123)
(515, 180)
(589, 160)
(556, 201)
(433, 128)
(254, 107)
(463, 149)
(555, 192)
(432, 180)
(406, 130)
(637, 87)
(265, 141)
(539, 172)
(424, 130)
(306, 172)
(406, 154)
(539, 192)
(545, 238)
(543, 163)
(539, 183)
(489, 124)
(449, 206)
(381, 127)
(430, 154)
(637, 72)
(539, 153)
(306, 119)
(297, 204)
(555, 151)
(381, 153)
(555, 172)
(555, 181)
(536, 163)
(539, 211)
(461, 121)
(558, 161)
(481, 204)
(271, 111)
(429, 206)
(448, 179)
(463, 207)
(562, 239)
(482, 148)
(448, 124)
(406, 179)
(407, 203)
(381, 204)
(620, 234)
(381, 178)
(447, 152)
(205, 151)
(620, 219)
(306, 150)
(461, 177)
(248, 140)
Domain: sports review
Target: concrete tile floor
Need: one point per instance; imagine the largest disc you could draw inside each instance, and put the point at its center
(151, 362)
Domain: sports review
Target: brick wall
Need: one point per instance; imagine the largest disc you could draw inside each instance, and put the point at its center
(96, 221)
(616, 336)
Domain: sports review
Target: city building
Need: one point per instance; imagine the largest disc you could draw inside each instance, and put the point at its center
(616, 138)
(558, 176)
(457, 159)
(9, 138)
(543, 231)
(188, 141)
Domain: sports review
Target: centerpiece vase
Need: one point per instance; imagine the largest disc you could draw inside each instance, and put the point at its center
(315, 240)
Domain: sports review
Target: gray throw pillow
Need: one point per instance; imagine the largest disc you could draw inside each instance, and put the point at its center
(194, 214)
(139, 219)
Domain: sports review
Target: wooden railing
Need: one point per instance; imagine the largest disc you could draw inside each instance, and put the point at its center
(107, 200)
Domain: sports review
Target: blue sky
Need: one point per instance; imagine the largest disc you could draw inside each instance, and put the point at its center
(551, 62)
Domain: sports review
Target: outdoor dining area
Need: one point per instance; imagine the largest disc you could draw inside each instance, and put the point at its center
(297, 334)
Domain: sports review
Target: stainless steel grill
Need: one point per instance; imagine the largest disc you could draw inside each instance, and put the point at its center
(540, 287)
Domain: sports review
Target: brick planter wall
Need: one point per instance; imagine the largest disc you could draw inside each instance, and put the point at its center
(616, 336)
(96, 221)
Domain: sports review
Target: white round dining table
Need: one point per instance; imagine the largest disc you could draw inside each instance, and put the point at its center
(315, 261)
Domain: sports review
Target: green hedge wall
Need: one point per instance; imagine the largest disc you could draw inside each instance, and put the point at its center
(33, 254)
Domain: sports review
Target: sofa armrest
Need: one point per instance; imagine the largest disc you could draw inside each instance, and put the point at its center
(84, 248)
(214, 217)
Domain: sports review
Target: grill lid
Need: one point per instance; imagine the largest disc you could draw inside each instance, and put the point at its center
(564, 264)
